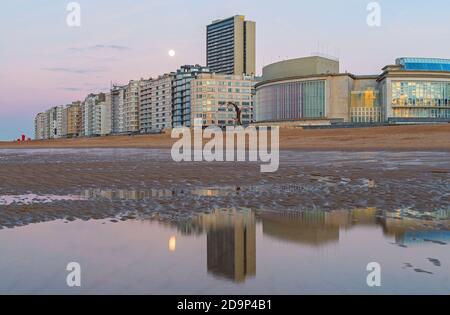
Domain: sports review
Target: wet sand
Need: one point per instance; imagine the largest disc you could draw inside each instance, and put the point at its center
(127, 183)
(135, 214)
(395, 138)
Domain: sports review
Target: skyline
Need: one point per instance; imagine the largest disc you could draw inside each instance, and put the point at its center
(54, 64)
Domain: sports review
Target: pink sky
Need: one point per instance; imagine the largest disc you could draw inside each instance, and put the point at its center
(45, 63)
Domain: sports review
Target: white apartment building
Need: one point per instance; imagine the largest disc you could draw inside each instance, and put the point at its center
(156, 103)
(211, 95)
(93, 114)
(40, 126)
(54, 126)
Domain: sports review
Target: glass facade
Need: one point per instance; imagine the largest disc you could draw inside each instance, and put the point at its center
(424, 64)
(296, 100)
(421, 99)
(365, 106)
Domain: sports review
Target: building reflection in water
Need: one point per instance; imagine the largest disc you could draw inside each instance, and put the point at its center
(231, 243)
(231, 233)
(317, 228)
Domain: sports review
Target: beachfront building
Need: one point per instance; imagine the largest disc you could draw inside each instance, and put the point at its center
(92, 114)
(181, 94)
(53, 127)
(117, 109)
(156, 104)
(73, 115)
(211, 95)
(416, 90)
(105, 114)
(40, 126)
(231, 46)
(131, 107)
(312, 91)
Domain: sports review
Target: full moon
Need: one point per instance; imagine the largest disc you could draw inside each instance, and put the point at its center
(172, 53)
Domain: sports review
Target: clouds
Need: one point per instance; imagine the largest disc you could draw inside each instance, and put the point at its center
(87, 88)
(99, 47)
(74, 70)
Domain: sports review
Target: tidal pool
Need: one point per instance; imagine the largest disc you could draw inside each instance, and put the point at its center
(231, 251)
(137, 222)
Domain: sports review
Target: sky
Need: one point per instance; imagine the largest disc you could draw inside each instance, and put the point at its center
(44, 62)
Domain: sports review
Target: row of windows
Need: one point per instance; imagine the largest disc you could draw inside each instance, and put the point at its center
(223, 96)
(366, 115)
(223, 90)
(420, 94)
(223, 83)
(421, 113)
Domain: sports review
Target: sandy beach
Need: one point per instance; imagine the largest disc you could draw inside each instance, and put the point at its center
(396, 138)
(122, 201)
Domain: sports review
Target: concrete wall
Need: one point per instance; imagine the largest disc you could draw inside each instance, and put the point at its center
(338, 89)
(300, 67)
(251, 47)
(238, 44)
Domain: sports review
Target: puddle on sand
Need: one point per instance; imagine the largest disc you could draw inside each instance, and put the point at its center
(231, 251)
(27, 199)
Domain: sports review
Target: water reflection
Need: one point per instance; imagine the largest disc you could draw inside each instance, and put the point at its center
(143, 194)
(231, 233)
(320, 228)
(231, 243)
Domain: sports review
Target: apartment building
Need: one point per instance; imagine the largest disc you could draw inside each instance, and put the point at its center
(93, 113)
(106, 112)
(181, 94)
(231, 46)
(40, 126)
(117, 109)
(212, 95)
(131, 107)
(74, 116)
(54, 122)
(156, 103)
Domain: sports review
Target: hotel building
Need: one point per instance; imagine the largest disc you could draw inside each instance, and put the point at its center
(231, 46)
(156, 104)
(312, 91)
(212, 93)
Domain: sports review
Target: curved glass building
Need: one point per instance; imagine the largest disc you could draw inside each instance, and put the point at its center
(414, 90)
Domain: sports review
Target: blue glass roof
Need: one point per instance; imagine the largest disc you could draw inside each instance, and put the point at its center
(424, 64)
